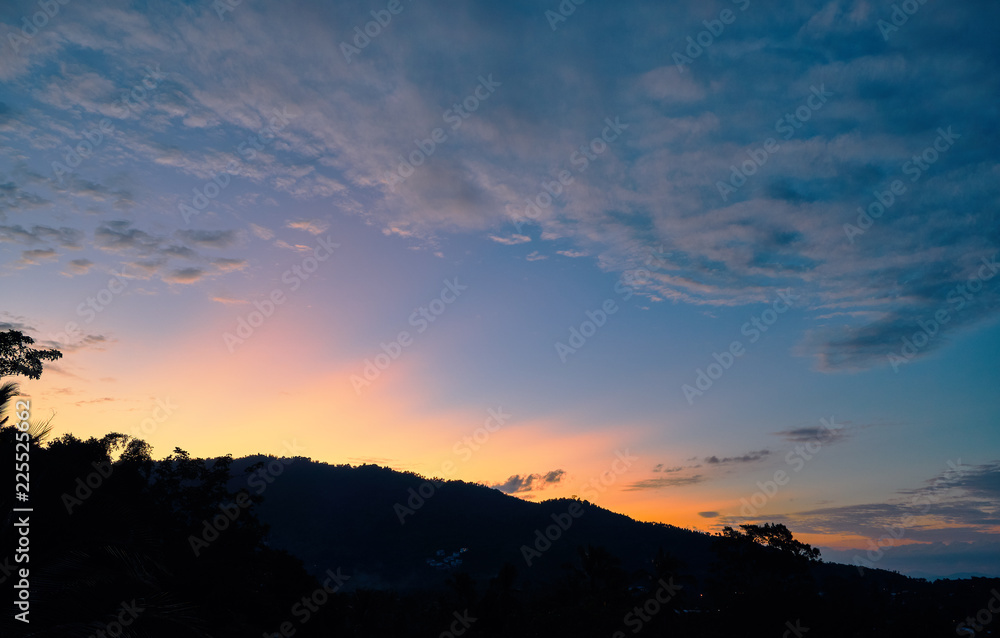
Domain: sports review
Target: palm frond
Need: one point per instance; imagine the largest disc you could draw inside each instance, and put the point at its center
(40, 430)
(8, 391)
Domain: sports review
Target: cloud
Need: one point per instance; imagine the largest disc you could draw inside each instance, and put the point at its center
(152, 254)
(572, 253)
(311, 226)
(660, 467)
(262, 232)
(299, 248)
(15, 198)
(77, 341)
(959, 504)
(119, 236)
(101, 400)
(184, 276)
(182, 252)
(811, 435)
(528, 482)
(208, 238)
(931, 560)
(535, 256)
(656, 184)
(62, 236)
(708, 514)
(513, 240)
(230, 265)
(229, 300)
(16, 325)
(664, 481)
(37, 256)
(749, 457)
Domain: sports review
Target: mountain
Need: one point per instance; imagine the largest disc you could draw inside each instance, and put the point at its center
(373, 522)
(123, 544)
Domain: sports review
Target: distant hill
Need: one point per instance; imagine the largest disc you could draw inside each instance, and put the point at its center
(320, 550)
(340, 516)
(345, 516)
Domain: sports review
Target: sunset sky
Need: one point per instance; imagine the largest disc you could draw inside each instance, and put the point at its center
(748, 223)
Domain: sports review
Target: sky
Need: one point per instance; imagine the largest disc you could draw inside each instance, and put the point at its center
(703, 263)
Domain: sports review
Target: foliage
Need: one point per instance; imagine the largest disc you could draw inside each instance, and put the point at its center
(773, 535)
(18, 358)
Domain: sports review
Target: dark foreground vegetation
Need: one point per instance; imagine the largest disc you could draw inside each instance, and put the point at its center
(125, 545)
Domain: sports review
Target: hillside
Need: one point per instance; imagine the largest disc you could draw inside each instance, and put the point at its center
(359, 518)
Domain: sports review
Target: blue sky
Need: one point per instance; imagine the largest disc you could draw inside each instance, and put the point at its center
(691, 163)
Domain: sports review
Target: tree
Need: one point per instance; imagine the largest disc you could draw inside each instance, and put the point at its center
(773, 535)
(17, 358)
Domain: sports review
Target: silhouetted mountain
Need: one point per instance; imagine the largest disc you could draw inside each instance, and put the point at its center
(359, 518)
(121, 544)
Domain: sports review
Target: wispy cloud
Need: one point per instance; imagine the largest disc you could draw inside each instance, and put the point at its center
(664, 481)
(811, 435)
(749, 457)
(229, 300)
(262, 232)
(656, 185)
(311, 226)
(184, 276)
(513, 240)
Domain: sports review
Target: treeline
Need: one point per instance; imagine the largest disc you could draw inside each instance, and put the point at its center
(127, 545)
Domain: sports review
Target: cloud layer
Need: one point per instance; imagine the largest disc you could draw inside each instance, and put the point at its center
(742, 166)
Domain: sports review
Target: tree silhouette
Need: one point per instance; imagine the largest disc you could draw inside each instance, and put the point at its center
(18, 358)
(774, 535)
